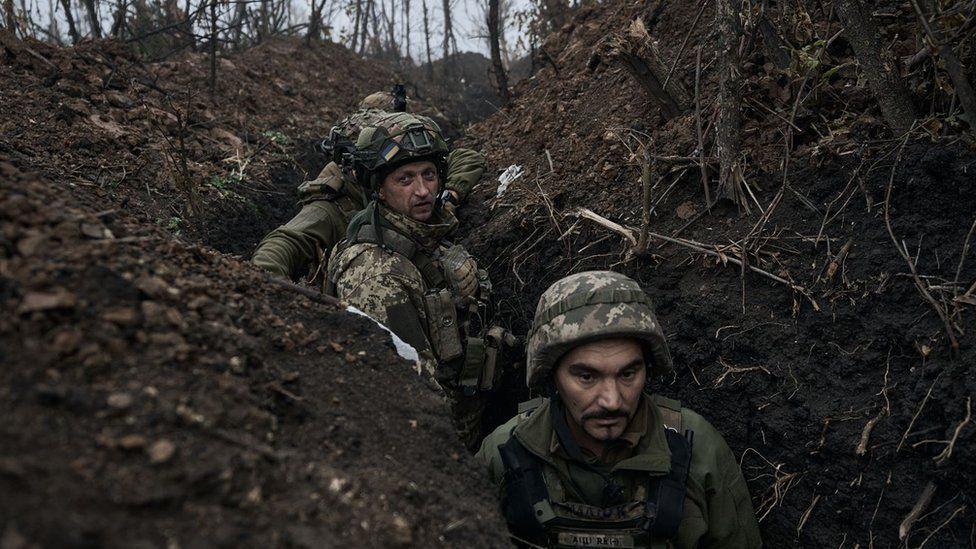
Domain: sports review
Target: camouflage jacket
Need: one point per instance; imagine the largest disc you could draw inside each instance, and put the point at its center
(330, 200)
(424, 289)
(717, 511)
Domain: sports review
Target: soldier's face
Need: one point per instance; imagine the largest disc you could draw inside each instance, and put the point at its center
(411, 190)
(600, 384)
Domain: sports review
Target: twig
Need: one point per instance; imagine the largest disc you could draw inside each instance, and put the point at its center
(629, 235)
(862, 446)
(947, 452)
(911, 264)
(684, 42)
(317, 297)
(962, 259)
(941, 526)
(917, 412)
(923, 502)
(807, 513)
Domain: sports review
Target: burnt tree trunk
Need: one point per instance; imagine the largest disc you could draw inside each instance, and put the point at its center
(501, 79)
(877, 64)
(96, 27)
(635, 50)
(728, 137)
(70, 18)
(430, 65)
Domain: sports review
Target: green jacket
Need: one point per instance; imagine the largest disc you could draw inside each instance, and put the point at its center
(328, 204)
(717, 510)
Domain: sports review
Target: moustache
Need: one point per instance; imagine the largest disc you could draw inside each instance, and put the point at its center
(605, 414)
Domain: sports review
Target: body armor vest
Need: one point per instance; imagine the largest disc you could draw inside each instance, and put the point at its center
(536, 507)
(456, 303)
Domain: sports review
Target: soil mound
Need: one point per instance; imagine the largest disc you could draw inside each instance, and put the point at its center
(221, 169)
(158, 392)
(835, 383)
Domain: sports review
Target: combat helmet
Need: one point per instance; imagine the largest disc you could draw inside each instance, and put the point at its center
(379, 100)
(586, 307)
(395, 140)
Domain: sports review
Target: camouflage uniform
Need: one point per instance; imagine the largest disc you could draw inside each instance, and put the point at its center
(330, 200)
(431, 293)
(668, 492)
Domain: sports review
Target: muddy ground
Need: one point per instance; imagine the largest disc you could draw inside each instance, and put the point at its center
(791, 377)
(158, 391)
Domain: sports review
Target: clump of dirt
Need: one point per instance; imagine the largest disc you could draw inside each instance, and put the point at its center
(156, 392)
(221, 169)
(796, 374)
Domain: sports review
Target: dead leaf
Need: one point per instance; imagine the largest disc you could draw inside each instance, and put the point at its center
(161, 451)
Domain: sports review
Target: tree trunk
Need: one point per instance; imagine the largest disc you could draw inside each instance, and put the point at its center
(877, 64)
(636, 51)
(728, 138)
(10, 17)
(238, 24)
(213, 48)
(96, 27)
(501, 79)
(355, 26)
(448, 36)
(406, 27)
(72, 29)
(430, 65)
(118, 21)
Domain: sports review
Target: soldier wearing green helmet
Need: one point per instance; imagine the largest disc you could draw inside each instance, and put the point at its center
(601, 462)
(397, 266)
(329, 201)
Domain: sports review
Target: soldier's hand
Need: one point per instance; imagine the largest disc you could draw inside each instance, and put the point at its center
(450, 200)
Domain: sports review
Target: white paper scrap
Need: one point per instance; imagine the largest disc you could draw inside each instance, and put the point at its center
(510, 174)
(403, 348)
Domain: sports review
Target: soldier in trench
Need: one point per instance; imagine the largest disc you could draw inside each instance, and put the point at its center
(397, 265)
(330, 200)
(601, 462)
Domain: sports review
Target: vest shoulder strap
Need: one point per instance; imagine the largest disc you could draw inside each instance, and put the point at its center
(670, 412)
(402, 245)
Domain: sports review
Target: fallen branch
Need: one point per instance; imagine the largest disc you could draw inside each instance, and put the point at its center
(629, 235)
(920, 506)
(317, 297)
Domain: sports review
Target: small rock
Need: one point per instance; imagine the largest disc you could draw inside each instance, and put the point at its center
(132, 442)
(46, 301)
(337, 485)
(161, 451)
(119, 401)
(402, 535)
(96, 231)
(123, 316)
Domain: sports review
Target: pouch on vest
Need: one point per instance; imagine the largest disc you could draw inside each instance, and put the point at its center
(445, 337)
(474, 365)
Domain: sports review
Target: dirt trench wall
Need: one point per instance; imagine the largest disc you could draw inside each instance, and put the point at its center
(792, 388)
(157, 392)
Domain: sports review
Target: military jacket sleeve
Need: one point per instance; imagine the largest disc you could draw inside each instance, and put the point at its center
(464, 169)
(318, 226)
(731, 521)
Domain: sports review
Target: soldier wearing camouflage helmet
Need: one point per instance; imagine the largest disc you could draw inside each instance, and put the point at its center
(397, 265)
(330, 200)
(601, 462)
